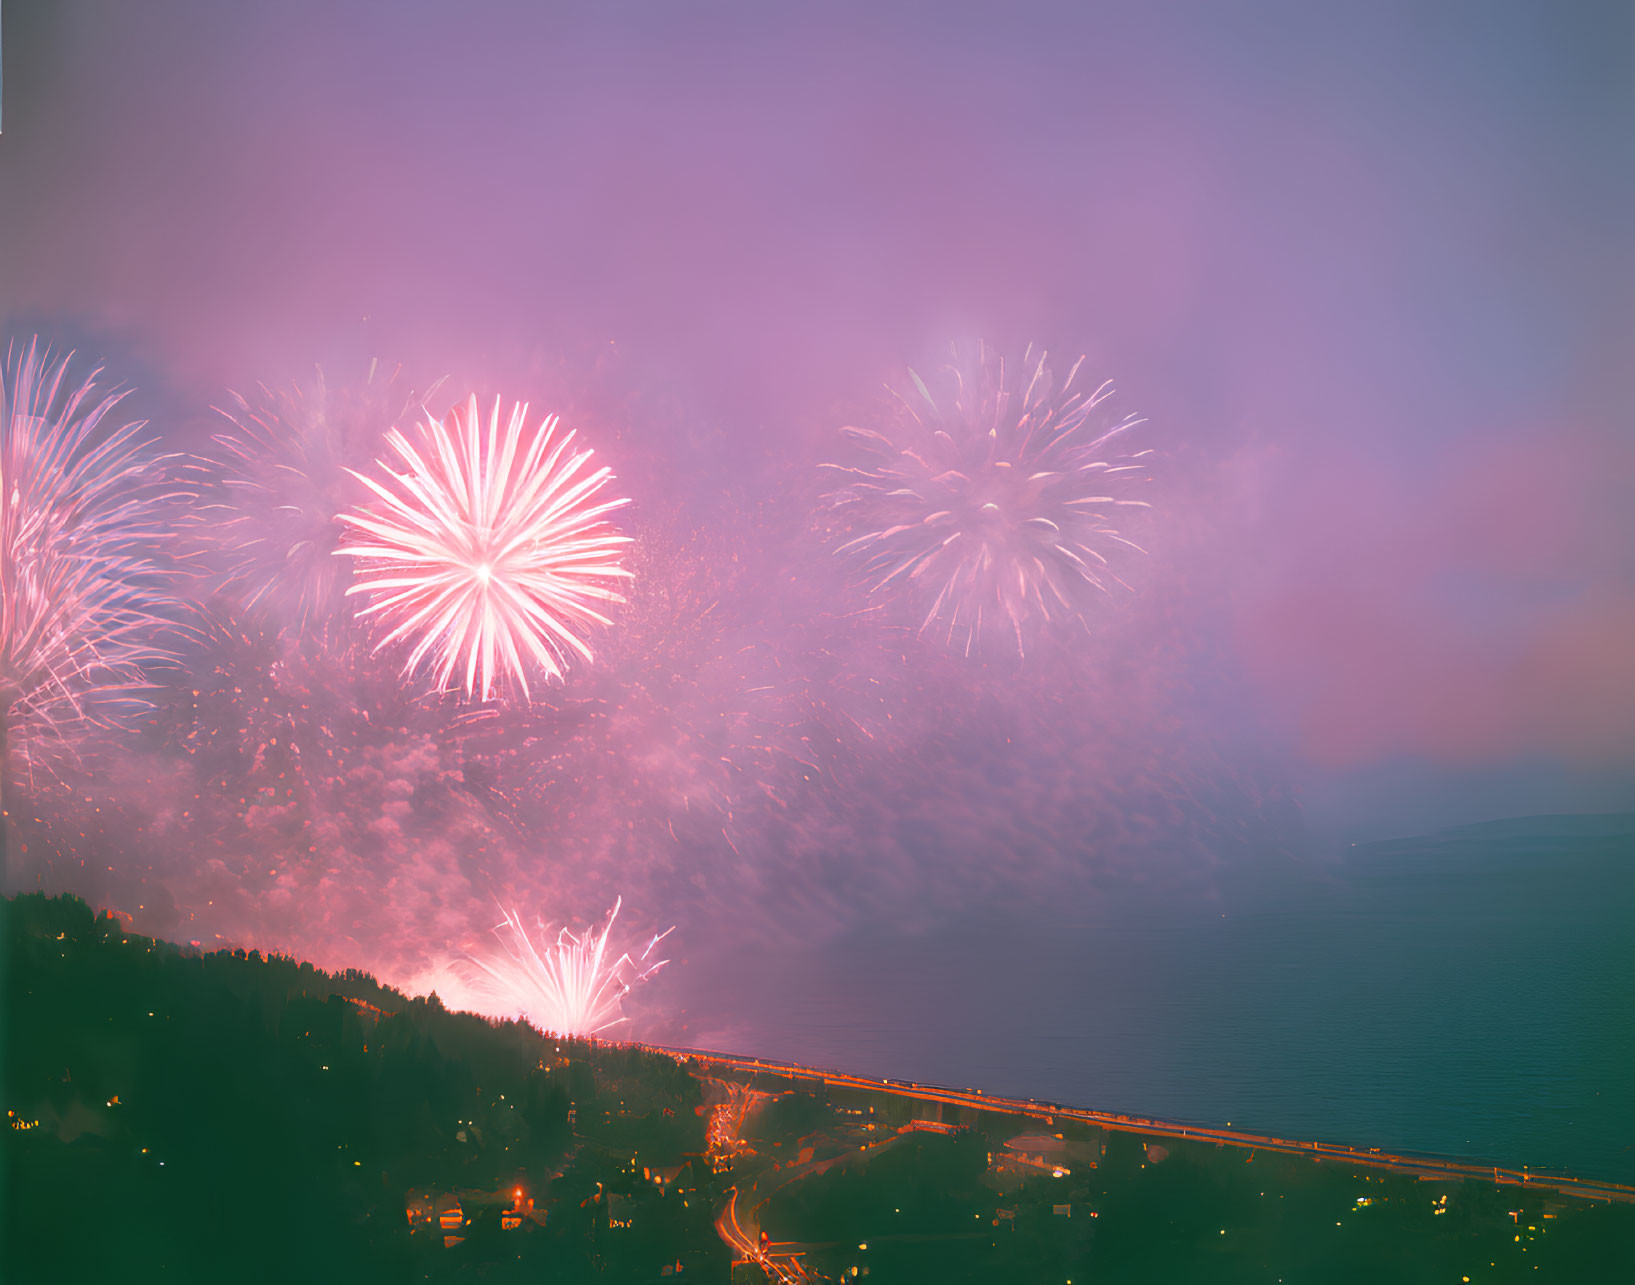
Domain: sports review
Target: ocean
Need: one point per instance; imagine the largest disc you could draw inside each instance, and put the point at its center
(1467, 994)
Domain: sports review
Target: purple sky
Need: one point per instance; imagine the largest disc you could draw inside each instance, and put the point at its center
(1365, 268)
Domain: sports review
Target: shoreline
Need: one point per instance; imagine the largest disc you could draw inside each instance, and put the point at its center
(1426, 1167)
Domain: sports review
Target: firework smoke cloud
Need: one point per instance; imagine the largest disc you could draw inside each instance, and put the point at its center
(491, 554)
(990, 505)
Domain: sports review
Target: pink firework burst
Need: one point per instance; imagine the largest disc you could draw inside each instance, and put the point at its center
(571, 986)
(273, 479)
(990, 506)
(491, 553)
(85, 606)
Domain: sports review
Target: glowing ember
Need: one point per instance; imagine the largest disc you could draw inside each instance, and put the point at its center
(491, 554)
(571, 987)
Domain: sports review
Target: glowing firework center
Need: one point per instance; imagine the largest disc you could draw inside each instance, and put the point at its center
(491, 554)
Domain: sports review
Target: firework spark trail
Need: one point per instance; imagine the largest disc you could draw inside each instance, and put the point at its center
(489, 554)
(569, 988)
(234, 705)
(83, 588)
(276, 478)
(993, 507)
(705, 710)
(250, 692)
(662, 725)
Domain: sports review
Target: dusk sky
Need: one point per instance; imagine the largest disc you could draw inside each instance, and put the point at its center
(1364, 269)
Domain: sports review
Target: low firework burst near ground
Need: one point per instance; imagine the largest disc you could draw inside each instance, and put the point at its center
(569, 986)
(989, 506)
(492, 554)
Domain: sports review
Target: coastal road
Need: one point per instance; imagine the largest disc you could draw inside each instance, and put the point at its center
(1427, 1167)
(730, 1104)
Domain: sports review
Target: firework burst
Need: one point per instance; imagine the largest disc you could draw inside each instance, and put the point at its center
(277, 476)
(83, 597)
(570, 987)
(491, 553)
(992, 508)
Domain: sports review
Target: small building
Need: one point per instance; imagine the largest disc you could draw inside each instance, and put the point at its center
(421, 1207)
(433, 1208)
(1037, 1148)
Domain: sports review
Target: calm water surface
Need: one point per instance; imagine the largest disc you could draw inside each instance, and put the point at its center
(1470, 995)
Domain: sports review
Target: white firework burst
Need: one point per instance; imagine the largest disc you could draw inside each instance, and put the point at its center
(992, 507)
(275, 477)
(491, 553)
(569, 986)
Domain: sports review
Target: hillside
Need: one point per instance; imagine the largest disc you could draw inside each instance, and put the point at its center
(178, 1116)
(183, 1116)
